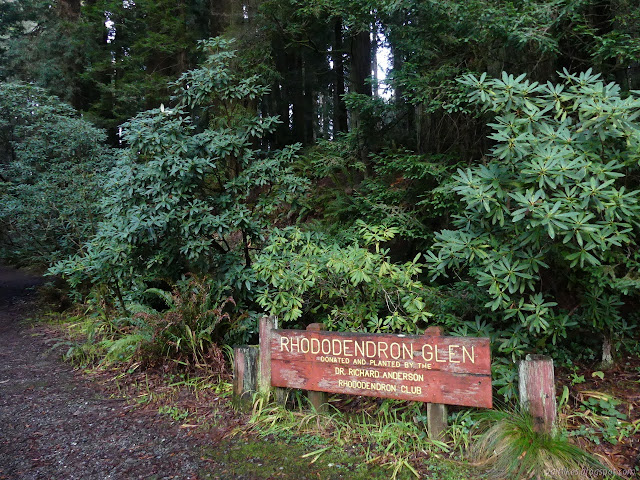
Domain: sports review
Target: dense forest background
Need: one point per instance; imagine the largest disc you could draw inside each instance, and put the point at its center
(378, 166)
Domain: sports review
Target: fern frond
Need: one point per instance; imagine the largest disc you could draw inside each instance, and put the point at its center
(164, 295)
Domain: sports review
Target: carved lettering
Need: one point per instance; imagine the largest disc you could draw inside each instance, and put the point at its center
(304, 345)
(472, 355)
(436, 369)
(427, 352)
(336, 343)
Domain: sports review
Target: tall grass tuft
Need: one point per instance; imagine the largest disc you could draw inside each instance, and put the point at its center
(509, 447)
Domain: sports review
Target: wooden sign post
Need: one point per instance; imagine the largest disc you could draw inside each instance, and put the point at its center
(430, 368)
(319, 400)
(538, 391)
(245, 372)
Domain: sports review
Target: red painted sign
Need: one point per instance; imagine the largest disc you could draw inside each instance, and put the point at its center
(427, 368)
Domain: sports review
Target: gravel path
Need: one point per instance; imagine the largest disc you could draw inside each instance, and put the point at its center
(55, 425)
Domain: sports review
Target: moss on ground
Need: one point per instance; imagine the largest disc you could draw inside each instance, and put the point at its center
(261, 459)
(254, 459)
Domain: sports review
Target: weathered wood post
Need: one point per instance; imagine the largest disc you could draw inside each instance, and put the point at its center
(245, 372)
(319, 400)
(436, 412)
(538, 391)
(267, 324)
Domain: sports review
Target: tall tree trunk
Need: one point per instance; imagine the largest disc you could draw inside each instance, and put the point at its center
(219, 13)
(69, 9)
(279, 95)
(374, 58)
(407, 121)
(297, 97)
(361, 63)
(339, 108)
(309, 105)
(301, 93)
(360, 73)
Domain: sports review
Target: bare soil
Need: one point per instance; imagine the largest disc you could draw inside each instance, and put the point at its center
(57, 424)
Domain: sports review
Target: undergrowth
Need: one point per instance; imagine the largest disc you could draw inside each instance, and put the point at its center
(394, 436)
(178, 343)
(493, 444)
(185, 330)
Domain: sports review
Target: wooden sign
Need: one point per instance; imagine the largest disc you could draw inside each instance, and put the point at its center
(428, 368)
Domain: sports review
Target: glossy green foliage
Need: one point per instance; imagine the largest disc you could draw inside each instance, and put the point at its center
(348, 288)
(191, 193)
(51, 173)
(553, 208)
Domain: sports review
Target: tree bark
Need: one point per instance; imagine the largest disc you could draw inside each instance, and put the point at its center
(297, 98)
(218, 17)
(339, 108)
(607, 355)
(280, 93)
(309, 105)
(361, 63)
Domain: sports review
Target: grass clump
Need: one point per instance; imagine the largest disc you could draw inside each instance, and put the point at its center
(509, 447)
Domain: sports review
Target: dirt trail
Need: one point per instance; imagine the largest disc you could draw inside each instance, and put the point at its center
(54, 425)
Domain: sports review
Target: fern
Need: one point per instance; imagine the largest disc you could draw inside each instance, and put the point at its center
(124, 348)
(166, 296)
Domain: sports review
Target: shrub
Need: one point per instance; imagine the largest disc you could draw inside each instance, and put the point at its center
(52, 168)
(349, 288)
(550, 222)
(186, 330)
(191, 193)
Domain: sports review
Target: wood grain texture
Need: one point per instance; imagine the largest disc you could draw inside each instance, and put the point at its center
(245, 372)
(538, 391)
(319, 400)
(428, 368)
(266, 327)
(436, 420)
